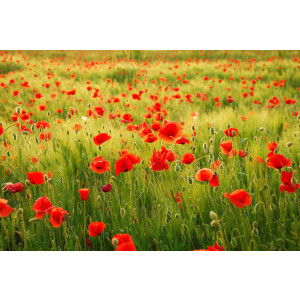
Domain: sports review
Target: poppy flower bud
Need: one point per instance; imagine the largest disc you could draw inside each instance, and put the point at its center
(68, 132)
(25, 132)
(289, 145)
(250, 158)
(220, 243)
(294, 180)
(193, 139)
(8, 154)
(46, 177)
(14, 136)
(233, 243)
(36, 140)
(49, 113)
(27, 182)
(213, 215)
(33, 220)
(190, 180)
(115, 242)
(177, 168)
(205, 147)
(193, 128)
(169, 215)
(276, 151)
(183, 188)
(261, 129)
(233, 133)
(69, 115)
(177, 216)
(212, 131)
(20, 211)
(214, 223)
(228, 125)
(18, 110)
(211, 140)
(122, 212)
(277, 139)
(4, 189)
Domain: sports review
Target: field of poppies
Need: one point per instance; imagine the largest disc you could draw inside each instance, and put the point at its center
(149, 150)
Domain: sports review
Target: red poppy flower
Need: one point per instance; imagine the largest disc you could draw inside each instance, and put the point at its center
(155, 126)
(106, 188)
(215, 247)
(182, 141)
(5, 210)
(15, 188)
(96, 228)
(170, 132)
(124, 164)
(101, 138)
(1, 130)
(84, 194)
(42, 206)
(150, 138)
(46, 135)
(57, 216)
(226, 147)
(242, 153)
(187, 158)
(204, 174)
(42, 107)
(277, 161)
(127, 119)
(239, 198)
(36, 177)
(132, 157)
(38, 95)
(232, 153)
(123, 242)
(42, 124)
(272, 146)
(214, 181)
(232, 132)
(216, 164)
(170, 156)
(99, 165)
(158, 161)
(287, 184)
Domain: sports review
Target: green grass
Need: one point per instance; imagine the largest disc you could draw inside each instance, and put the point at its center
(140, 202)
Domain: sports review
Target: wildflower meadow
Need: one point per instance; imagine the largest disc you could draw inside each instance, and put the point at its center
(149, 150)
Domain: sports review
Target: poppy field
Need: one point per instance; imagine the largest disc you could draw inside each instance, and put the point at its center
(149, 150)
